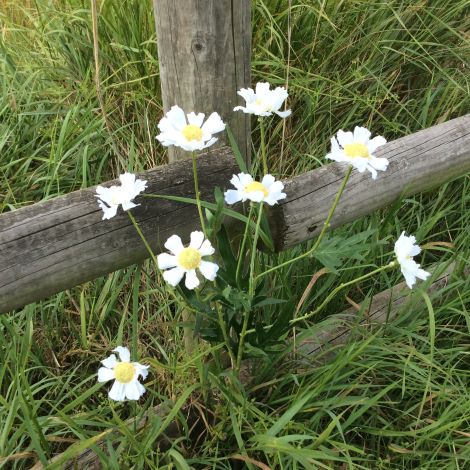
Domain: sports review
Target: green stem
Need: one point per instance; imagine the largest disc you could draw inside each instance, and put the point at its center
(196, 190)
(253, 252)
(325, 227)
(135, 311)
(149, 249)
(241, 256)
(263, 146)
(186, 313)
(342, 286)
(136, 225)
(251, 289)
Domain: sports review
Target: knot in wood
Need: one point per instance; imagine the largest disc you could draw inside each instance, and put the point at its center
(197, 45)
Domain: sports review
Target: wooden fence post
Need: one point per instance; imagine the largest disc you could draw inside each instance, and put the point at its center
(204, 53)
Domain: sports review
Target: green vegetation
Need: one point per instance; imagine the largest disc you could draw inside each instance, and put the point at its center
(397, 397)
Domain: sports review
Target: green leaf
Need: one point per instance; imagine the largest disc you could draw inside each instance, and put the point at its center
(268, 301)
(226, 253)
(210, 205)
(334, 250)
(236, 151)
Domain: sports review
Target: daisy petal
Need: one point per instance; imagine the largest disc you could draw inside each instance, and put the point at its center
(108, 212)
(277, 186)
(196, 239)
(247, 94)
(375, 143)
(173, 276)
(284, 114)
(127, 180)
(126, 205)
(380, 164)
(166, 261)
(422, 274)
(118, 391)
(208, 270)
(409, 278)
(191, 281)
(196, 119)
(105, 374)
(262, 89)
(245, 179)
(213, 124)
(132, 390)
(110, 361)
(210, 142)
(206, 248)
(242, 108)
(373, 171)
(174, 244)
(236, 182)
(361, 135)
(176, 117)
(124, 353)
(256, 196)
(267, 181)
(274, 198)
(232, 196)
(141, 370)
(344, 138)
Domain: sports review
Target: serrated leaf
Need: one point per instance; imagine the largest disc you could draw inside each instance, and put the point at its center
(334, 250)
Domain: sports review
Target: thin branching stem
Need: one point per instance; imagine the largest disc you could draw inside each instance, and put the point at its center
(333, 293)
(263, 146)
(144, 240)
(196, 190)
(251, 290)
(325, 227)
(241, 256)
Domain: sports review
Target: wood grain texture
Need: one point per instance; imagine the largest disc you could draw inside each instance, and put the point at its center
(204, 54)
(418, 162)
(57, 244)
(54, 245)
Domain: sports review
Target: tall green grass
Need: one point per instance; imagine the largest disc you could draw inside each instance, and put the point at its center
(396, 398)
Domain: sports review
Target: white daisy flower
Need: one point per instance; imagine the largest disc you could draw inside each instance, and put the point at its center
(405, 249)
(358, 150)
(186, 260)
(188, 131)
(109, 199)
(268, 191)
(125, 374)
(264, 101)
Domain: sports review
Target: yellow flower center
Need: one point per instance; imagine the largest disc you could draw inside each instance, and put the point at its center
(192, 132)
(189, 258)
(266, 106)
(356, 150)
(124, 372)
(257, 186)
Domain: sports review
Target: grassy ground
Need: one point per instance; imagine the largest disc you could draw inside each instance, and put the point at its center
(398, 399)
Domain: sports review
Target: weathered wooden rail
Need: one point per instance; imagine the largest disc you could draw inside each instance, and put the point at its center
(54, 245)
